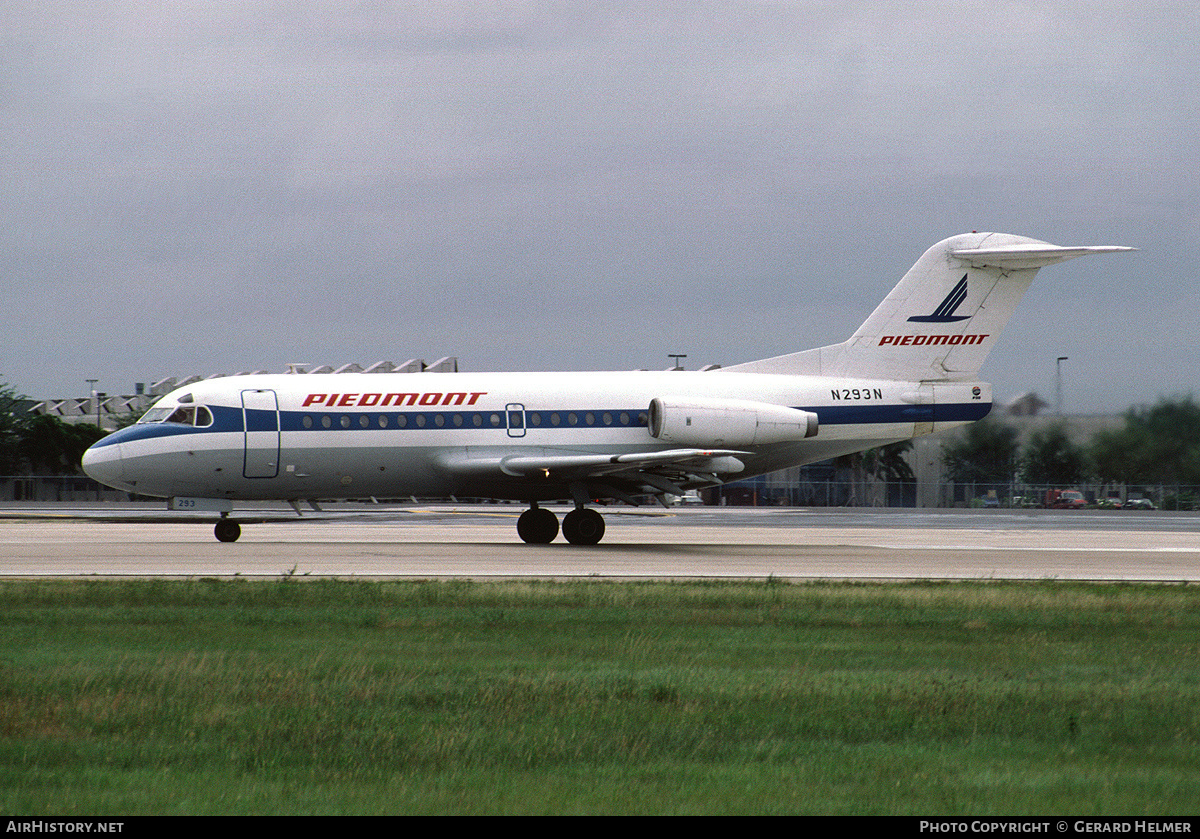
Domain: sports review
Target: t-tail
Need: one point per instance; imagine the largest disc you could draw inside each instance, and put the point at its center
(942, 319)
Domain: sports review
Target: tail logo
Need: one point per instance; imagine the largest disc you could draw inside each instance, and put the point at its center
(944, 313)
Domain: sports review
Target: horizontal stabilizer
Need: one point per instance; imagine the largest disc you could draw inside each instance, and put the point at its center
(1027, 254)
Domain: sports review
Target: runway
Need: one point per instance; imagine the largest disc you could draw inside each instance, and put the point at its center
(480, 541)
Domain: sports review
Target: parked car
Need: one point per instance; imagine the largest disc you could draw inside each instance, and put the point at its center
(1139, 504)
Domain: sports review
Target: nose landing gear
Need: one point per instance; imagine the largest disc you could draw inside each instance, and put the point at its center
(227, 530)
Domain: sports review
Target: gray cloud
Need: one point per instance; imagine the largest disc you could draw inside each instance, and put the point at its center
(215, 187)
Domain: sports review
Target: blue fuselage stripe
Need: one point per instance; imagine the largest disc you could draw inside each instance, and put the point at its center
(228, 419)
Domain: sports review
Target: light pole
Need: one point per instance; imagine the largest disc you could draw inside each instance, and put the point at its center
(1058, 382)
(95, 399)
(677, 357)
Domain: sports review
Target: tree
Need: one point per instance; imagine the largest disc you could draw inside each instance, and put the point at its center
(14, 416)
(50, 446)
(38, 444)
(1158, 445)
(1051, 458)
(887, 462)
(986, 453)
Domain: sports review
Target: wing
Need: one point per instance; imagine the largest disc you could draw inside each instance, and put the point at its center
(623, 476)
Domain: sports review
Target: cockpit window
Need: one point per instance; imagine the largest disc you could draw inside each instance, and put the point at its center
(156, 415)
(197, 416)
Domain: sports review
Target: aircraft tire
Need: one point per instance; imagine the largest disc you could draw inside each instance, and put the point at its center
(227, 531)
(536, 526)
(583, 526)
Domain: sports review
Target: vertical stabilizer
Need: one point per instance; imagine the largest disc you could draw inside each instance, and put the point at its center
(942, 319)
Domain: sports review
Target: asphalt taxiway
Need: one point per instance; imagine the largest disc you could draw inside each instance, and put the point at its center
(480, 541)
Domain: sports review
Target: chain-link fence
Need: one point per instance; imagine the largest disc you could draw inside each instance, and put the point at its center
(779, 489)
(772, 491)
(56, 488)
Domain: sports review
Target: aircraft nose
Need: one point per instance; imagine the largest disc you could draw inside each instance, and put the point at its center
(102, 462)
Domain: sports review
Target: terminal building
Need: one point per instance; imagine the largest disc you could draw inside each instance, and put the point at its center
(112, 412)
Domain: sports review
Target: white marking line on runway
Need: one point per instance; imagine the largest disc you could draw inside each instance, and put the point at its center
(908, 546)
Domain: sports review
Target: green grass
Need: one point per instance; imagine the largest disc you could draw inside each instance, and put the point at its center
(331, 697)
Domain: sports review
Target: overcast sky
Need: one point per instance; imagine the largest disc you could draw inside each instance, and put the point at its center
(202, 187)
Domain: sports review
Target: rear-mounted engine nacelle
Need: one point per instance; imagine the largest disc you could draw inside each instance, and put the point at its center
(727, 422)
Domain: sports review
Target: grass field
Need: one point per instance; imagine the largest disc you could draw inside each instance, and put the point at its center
(329, 697)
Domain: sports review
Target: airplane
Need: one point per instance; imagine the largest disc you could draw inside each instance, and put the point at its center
(910, 370)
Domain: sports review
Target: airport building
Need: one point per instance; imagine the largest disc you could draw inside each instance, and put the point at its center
(112, 412)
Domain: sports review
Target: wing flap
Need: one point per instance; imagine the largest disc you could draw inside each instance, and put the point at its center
(574, 466)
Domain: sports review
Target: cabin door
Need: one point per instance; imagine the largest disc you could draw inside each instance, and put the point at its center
(260, 423)
(516, 419)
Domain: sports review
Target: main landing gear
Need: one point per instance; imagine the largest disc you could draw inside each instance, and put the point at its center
(581, 526)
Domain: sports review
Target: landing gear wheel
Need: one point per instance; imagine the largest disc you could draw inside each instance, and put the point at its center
(537, 526)
(583, 526)
(227, 530)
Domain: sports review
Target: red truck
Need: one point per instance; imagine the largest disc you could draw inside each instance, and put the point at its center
(1065, 499)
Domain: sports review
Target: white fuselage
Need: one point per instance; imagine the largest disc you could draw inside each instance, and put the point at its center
(396, 435)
